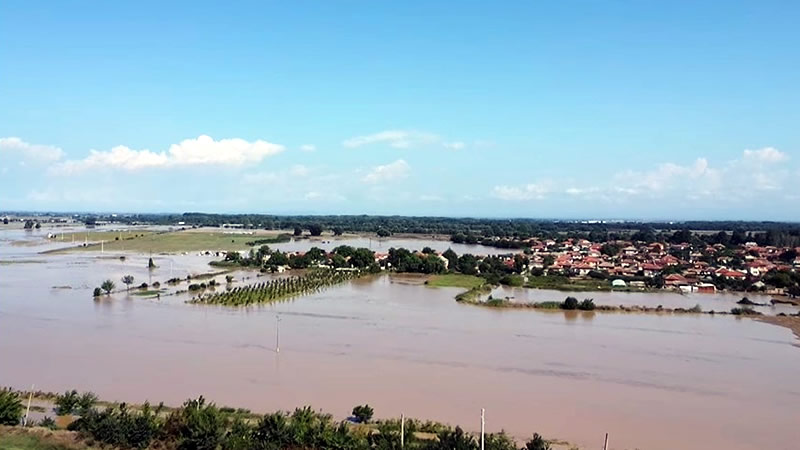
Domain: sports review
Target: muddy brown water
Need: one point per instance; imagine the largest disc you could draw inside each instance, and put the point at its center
(652, 382)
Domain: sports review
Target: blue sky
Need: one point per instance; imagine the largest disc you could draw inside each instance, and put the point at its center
(653, 110)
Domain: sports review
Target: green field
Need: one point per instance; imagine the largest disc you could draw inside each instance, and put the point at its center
(455, 280)
(168, 242)
(39, 439)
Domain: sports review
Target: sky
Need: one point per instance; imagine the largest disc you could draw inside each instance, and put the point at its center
(575, 109)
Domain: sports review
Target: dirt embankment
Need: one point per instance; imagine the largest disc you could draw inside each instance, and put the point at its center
(790, 322)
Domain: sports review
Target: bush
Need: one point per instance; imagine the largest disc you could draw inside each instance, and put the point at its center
(587, 305)
(67, 402)
(512, 280)
(745, 311)
(363, 413)
(570, 303)
(86, 402)
(119, 427)
(97, 292)
(48, 422)
(10, 407)
(537, 443)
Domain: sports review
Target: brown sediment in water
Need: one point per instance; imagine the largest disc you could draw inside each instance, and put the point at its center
(790, 322)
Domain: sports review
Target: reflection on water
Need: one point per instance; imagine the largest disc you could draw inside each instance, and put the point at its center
(723, 382)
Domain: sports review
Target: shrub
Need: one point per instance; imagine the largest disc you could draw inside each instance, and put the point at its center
(86, 402)
(512, 280)
(745, 311)
(66, 402)
(10, 407)
(587, 305)
(570, 303)
(363, 413)
(48, 422)
(97, 292)
(537, 443)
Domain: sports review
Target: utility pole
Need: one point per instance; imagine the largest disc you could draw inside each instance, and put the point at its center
(28, 411)
(278, 334)
(402, 430)
(605, 444)
(483, 425)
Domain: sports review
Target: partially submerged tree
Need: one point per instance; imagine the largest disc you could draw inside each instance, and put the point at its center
(150, 264)
(128, 280)
(107, 286)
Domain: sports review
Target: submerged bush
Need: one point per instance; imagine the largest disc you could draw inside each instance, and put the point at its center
(587, 305)
(570, 303)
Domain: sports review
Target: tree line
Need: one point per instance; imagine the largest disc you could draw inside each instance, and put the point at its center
(201, 425)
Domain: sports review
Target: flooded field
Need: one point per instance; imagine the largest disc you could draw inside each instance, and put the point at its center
(652, 382)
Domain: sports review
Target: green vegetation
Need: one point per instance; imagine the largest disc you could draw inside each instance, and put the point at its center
(363, 413)
(455, 280)
(147, 293)
(24, 439)
(270, 240)
(279, 289)
(473, 295)
(107, 286)
(562, 283)
(97, 292)
(10, 407)
(745, 311)
(71, 402)
(167, 242)
(128, 281)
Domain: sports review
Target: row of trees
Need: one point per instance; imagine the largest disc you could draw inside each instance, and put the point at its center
(278, 289)
(201, 425)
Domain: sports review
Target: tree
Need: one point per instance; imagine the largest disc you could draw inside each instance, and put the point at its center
(10, 407)
(609, 249)
(97, 292)
(454, 440)
(5, 220)
(38, 225)
(499, 441)
(150, 264)
(570, 303)
(315, 229)
(298, 231)
(537, 443)
(28, 224)
(452, 258)
(363, 413)
(128, 280)
(548, 261)
(107, 286)
(338, 231)
(382, 232)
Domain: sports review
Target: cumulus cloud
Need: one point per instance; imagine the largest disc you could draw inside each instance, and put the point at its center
(388, 172)
(308, 148)
(766, 154)
(531, 191)
(26, 150)
(203, 150)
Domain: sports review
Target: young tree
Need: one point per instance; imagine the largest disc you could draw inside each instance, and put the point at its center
(128, 280)
(97, 292)
(383, 232)
(107, 286)
(363, 413)
(337, 231)
(537, 443)
(150, 264)
(10, 407)
(298, 231)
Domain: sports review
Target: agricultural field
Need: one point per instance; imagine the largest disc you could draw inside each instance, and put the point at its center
(167, 242)
(455, 280)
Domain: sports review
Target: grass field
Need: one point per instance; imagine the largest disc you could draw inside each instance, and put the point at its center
(18, 438)
(167, 242)
(455, 280)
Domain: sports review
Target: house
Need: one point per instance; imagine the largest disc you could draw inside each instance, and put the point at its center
(704, 288)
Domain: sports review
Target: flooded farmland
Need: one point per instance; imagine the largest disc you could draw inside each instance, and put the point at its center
(651, 381)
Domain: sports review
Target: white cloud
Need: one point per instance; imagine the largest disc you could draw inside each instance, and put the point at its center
(35, 152)
(766, 154)
(430, 198)
(299, 170)
(388, 172)
(308, 148)
(457, 145)
(394, 138)
(531, 191)
(203, 150)
(402, 139)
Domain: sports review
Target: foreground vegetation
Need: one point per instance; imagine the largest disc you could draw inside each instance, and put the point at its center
(279, 289)
(198, 424)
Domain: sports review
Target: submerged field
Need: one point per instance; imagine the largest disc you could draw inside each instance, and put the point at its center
(164, 242)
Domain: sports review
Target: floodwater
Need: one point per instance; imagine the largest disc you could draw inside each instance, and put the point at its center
(720, 302)
(382, 245)
(652, 382)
